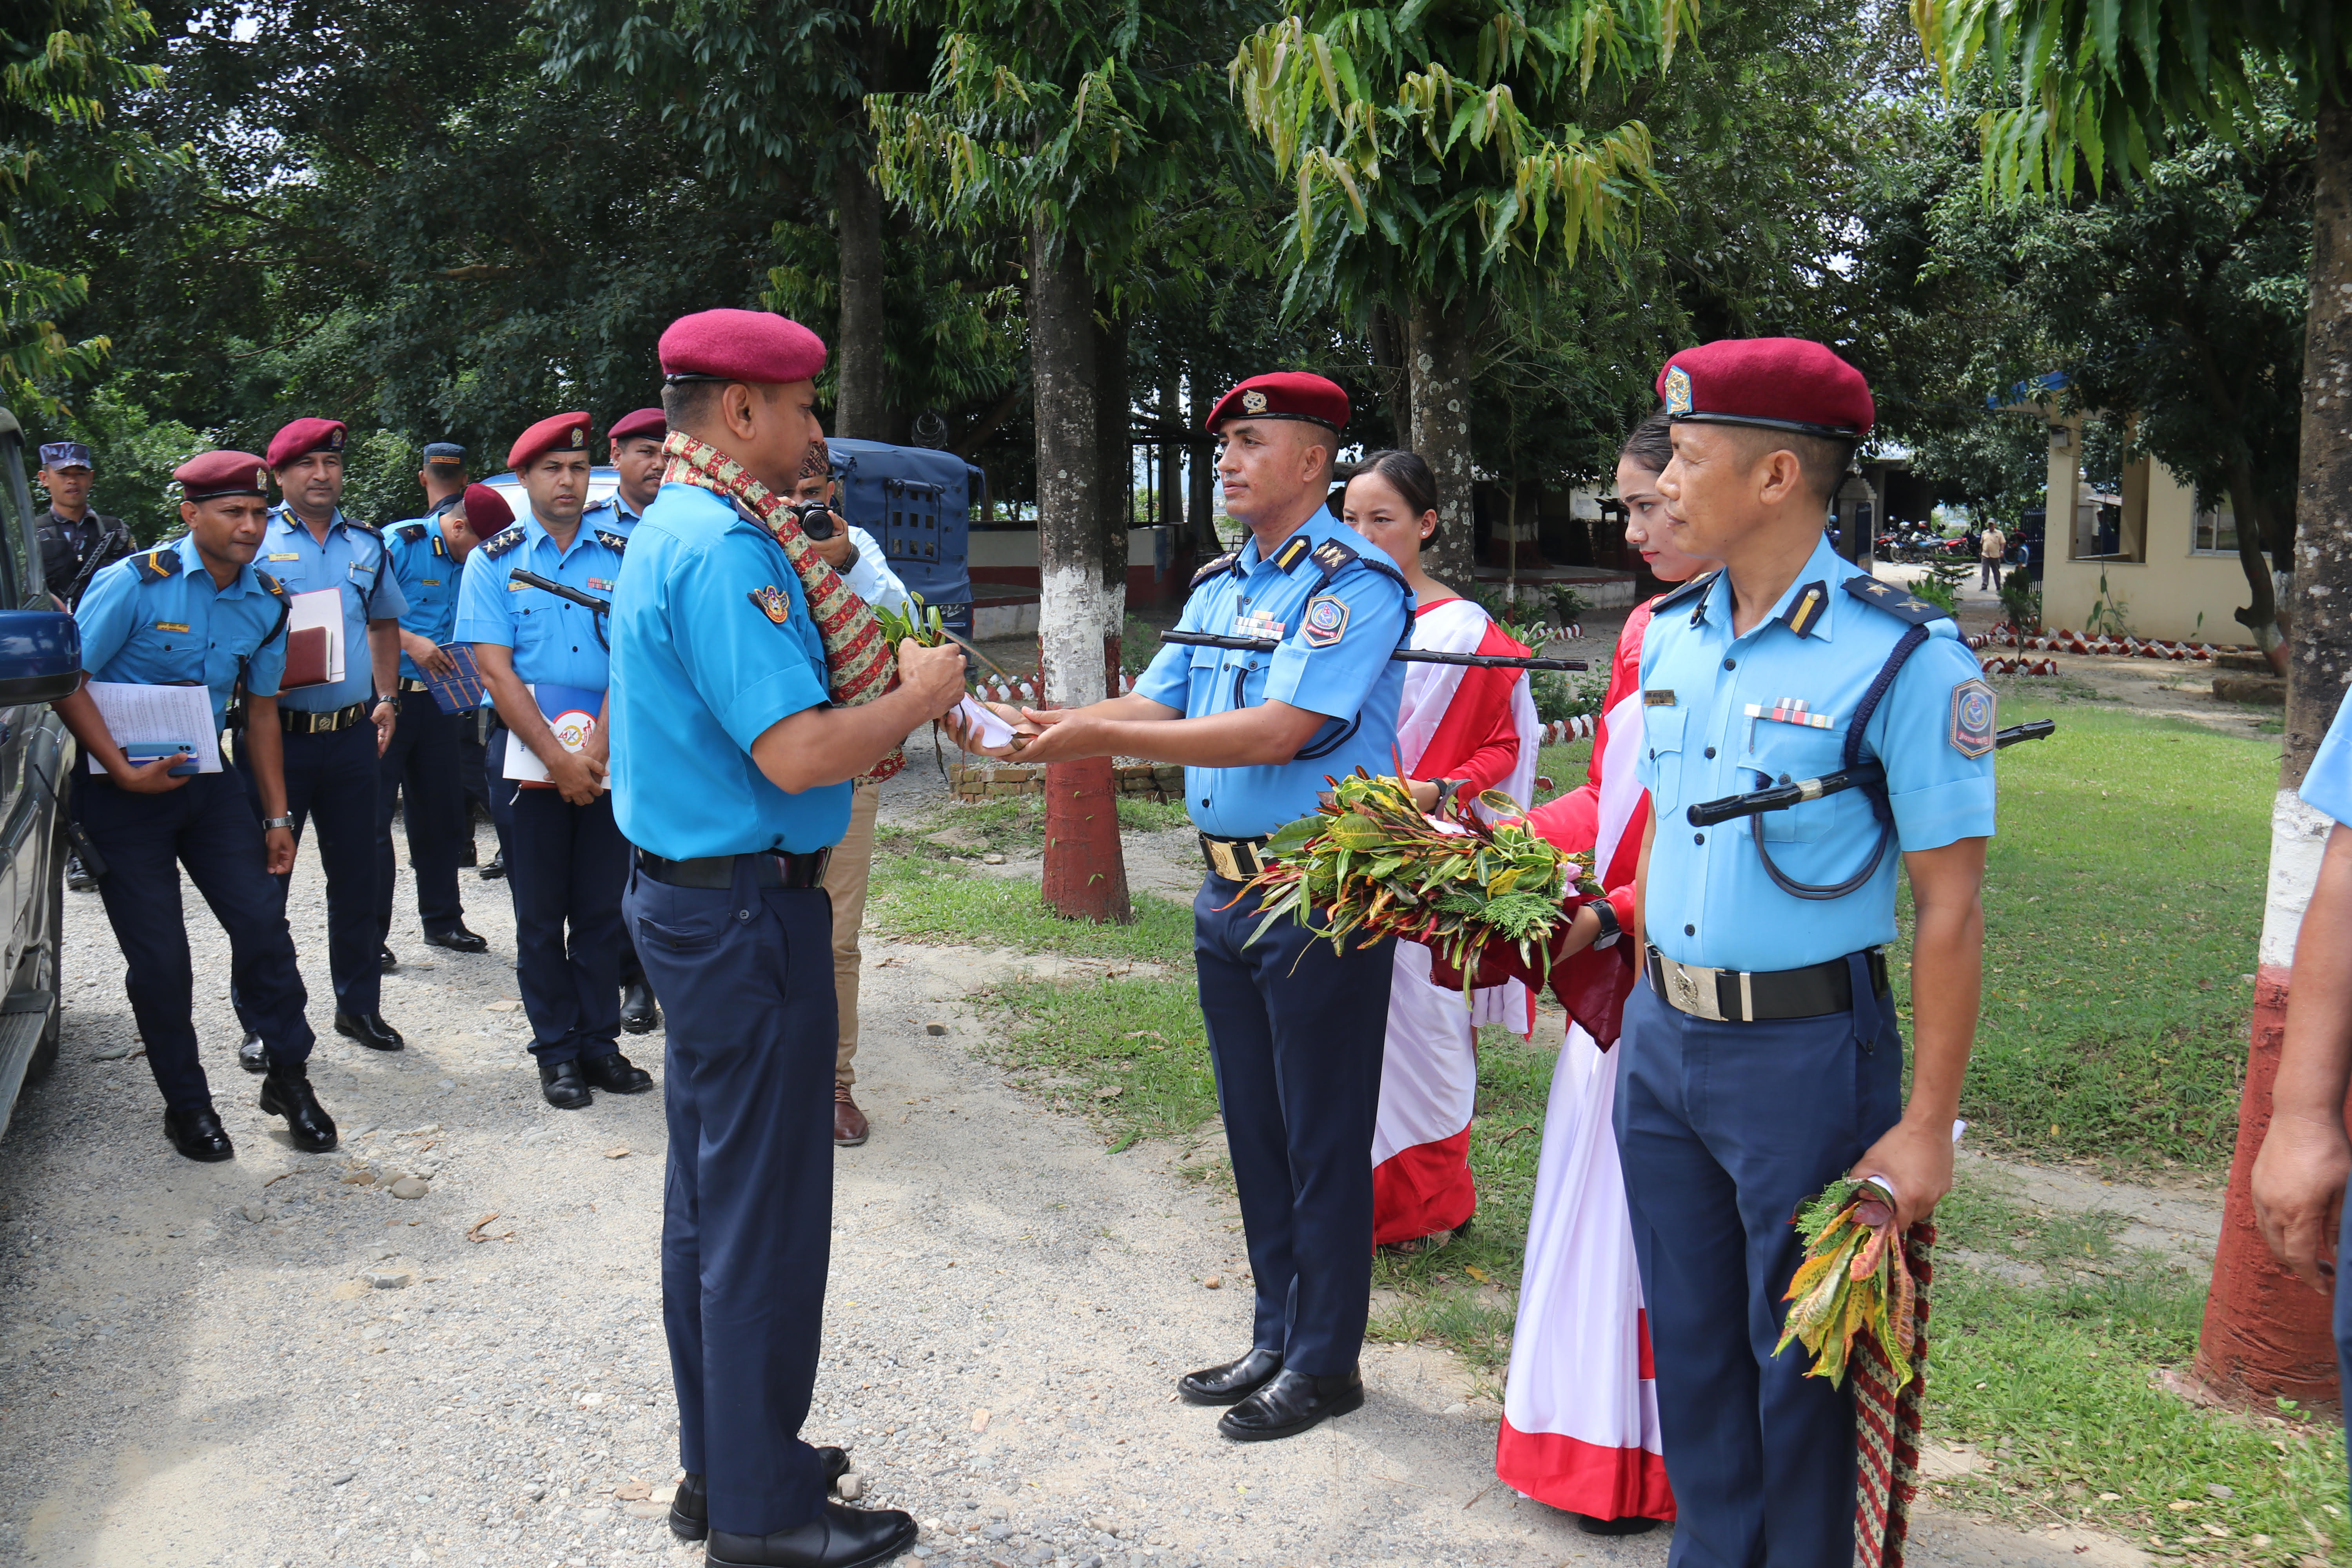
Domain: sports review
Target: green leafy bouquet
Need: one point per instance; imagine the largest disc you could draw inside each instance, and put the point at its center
(1853, 1280)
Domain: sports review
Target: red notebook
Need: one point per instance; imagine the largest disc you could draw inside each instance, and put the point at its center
(306, 659)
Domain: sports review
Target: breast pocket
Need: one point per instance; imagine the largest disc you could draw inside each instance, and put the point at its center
(1205, 688)
(1662, 739)
(1778, 752)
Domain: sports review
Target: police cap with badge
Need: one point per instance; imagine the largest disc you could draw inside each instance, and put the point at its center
(303, 437)
(645, 424)
(211, 475)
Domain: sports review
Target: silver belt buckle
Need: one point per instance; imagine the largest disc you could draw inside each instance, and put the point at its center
(1691, 989)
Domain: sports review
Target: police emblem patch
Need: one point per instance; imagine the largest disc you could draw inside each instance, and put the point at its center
(1973, 717)
(1253, 402)
(772, 602)
(1678, 390)
(1325, 622)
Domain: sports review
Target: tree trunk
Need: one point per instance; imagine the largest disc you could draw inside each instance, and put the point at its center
(861, 409)
(2266, 1335)
(1171, 460)
(1114, 422)
(2261, 615)
(1085, 876)
(1389, 354)
(1440, 432)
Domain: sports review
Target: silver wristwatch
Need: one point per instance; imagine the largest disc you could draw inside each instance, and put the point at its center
(270, 823)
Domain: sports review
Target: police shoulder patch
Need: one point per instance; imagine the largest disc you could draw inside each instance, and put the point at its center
(499, 543)
(1222, 563)
(771, 602)
(158, 564)
(269, 585)
(1688, 591)
(1323, 621)
(1893, 600)
(1974, 716)
(615, 542)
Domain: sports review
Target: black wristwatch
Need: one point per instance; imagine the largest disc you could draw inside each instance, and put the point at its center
(384, 696)
(1447, 790)
(1606, 913)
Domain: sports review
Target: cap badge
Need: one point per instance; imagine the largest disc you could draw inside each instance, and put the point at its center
(1678, 390)
(261, 479)
(334, 440)
(772, 602)
(1973, 706)
(579, 436)
(1325, 622)
(1253, 402)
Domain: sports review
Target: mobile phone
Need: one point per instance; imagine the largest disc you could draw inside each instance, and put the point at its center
(140, 754)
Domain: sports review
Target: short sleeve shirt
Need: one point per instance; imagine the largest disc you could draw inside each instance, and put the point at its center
(553, 639)
(1335, 609)
(1723, 715)
(353, 559)
(712, 644)
(428, 578)
(157, 619)
(2327, 787)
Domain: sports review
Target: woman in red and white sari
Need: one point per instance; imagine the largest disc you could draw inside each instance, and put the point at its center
(1580, 1405)
(1469, 730)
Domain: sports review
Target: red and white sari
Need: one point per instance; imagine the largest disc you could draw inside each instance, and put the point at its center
(1459, 723)
(1579, 1406)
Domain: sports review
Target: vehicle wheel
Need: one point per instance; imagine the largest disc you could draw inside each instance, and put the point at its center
(44, 1055)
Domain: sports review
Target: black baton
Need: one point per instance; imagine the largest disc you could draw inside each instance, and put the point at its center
(550, 585)
(1861, 775)
(1408, 655)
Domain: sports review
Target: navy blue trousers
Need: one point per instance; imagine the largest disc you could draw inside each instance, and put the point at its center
(421, 768)
(566, 866)
(206, 827)
(747, 976)
(474, 767)
(1725, 1130)
(1296, 1034)
(331, 779)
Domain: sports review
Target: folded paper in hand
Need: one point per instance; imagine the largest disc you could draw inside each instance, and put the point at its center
(144, 718)
(981, 724)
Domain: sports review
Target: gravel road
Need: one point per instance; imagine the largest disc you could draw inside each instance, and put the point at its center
(276, 1361)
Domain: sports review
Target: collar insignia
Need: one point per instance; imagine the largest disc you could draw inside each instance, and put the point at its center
(1293, 551)
(1807, 608)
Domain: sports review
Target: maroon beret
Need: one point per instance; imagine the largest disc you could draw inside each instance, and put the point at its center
(1284, 394)
(1779, 384)
(757, 346)
(303, 438)
(562, 433)
(486, 511)
(647, 422)
(210, 474)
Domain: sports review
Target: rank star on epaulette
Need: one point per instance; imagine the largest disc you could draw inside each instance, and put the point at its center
(771, 602)
(615, 542)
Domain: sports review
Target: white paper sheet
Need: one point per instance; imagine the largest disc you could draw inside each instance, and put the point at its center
(321, 608)
(175, 716)
(981, 724)
(523, 765)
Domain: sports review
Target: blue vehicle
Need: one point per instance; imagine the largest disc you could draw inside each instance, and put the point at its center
(40, 661)
(917, 503)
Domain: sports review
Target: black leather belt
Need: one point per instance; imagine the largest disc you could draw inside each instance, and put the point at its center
(410, 683)
(296, 722)
(1234, 859)
(768, 870)
(1748, 996)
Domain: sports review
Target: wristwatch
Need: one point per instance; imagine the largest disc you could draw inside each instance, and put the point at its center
(1606, 913)
(270, 823)
(850, 564)
(1446, 789)
(392, 697)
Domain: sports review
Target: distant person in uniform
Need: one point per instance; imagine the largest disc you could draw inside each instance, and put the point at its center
(336, 729)
(422, 768)
(75, 543)
(443, 476)
(635, 448)
(1295, 1030)
(748, 691)
(853, 553)
(1762, 1059)
(195, 613)
(566, 859)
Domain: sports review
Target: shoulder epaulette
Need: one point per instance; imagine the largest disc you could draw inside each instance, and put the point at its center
(1222, 563)
(505, 539)
(1894, 601)
(1672, 596)
(156, 565)
(268, 584)
(414, 532)
(1298, 547)
(615, 542)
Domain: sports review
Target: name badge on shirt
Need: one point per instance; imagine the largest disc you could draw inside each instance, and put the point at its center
(283, 555)
(428, 582)
(171, 626)
(1660, 698)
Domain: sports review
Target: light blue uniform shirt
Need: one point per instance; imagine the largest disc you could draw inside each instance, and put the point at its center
(156, 619)
(428, 578)
(352, 559)
(1338, 609)
(702, 667)
(1709, 730)
(2327, 787)
(553, 639)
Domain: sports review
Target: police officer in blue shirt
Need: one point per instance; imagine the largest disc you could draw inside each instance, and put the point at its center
(1296, 1031)
(195, 613)
(1761, 1059)
(421, 768)
(732, 767)
(566, 860)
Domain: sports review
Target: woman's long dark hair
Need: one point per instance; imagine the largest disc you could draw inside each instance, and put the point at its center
(1408, 473)
(1652, 443)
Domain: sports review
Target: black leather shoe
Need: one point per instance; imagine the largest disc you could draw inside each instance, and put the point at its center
(287, 1092)
(386, 961)
(251, 1056)
(1232, 1383)
(565, 1088)
(370, 1030)
(199, 1135)
(838, 1536)
(78, 875)
(497, 869)
(615, 1073)
(1291, 1403)
(1593, 1525)
(689, 1511)
(458, 939)
(638, 1012)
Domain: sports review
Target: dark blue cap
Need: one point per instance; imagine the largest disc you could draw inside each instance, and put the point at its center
(444, 452)
(64, 455)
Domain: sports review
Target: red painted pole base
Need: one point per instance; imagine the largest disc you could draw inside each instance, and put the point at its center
(1085, 874)
(2266, 1333)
